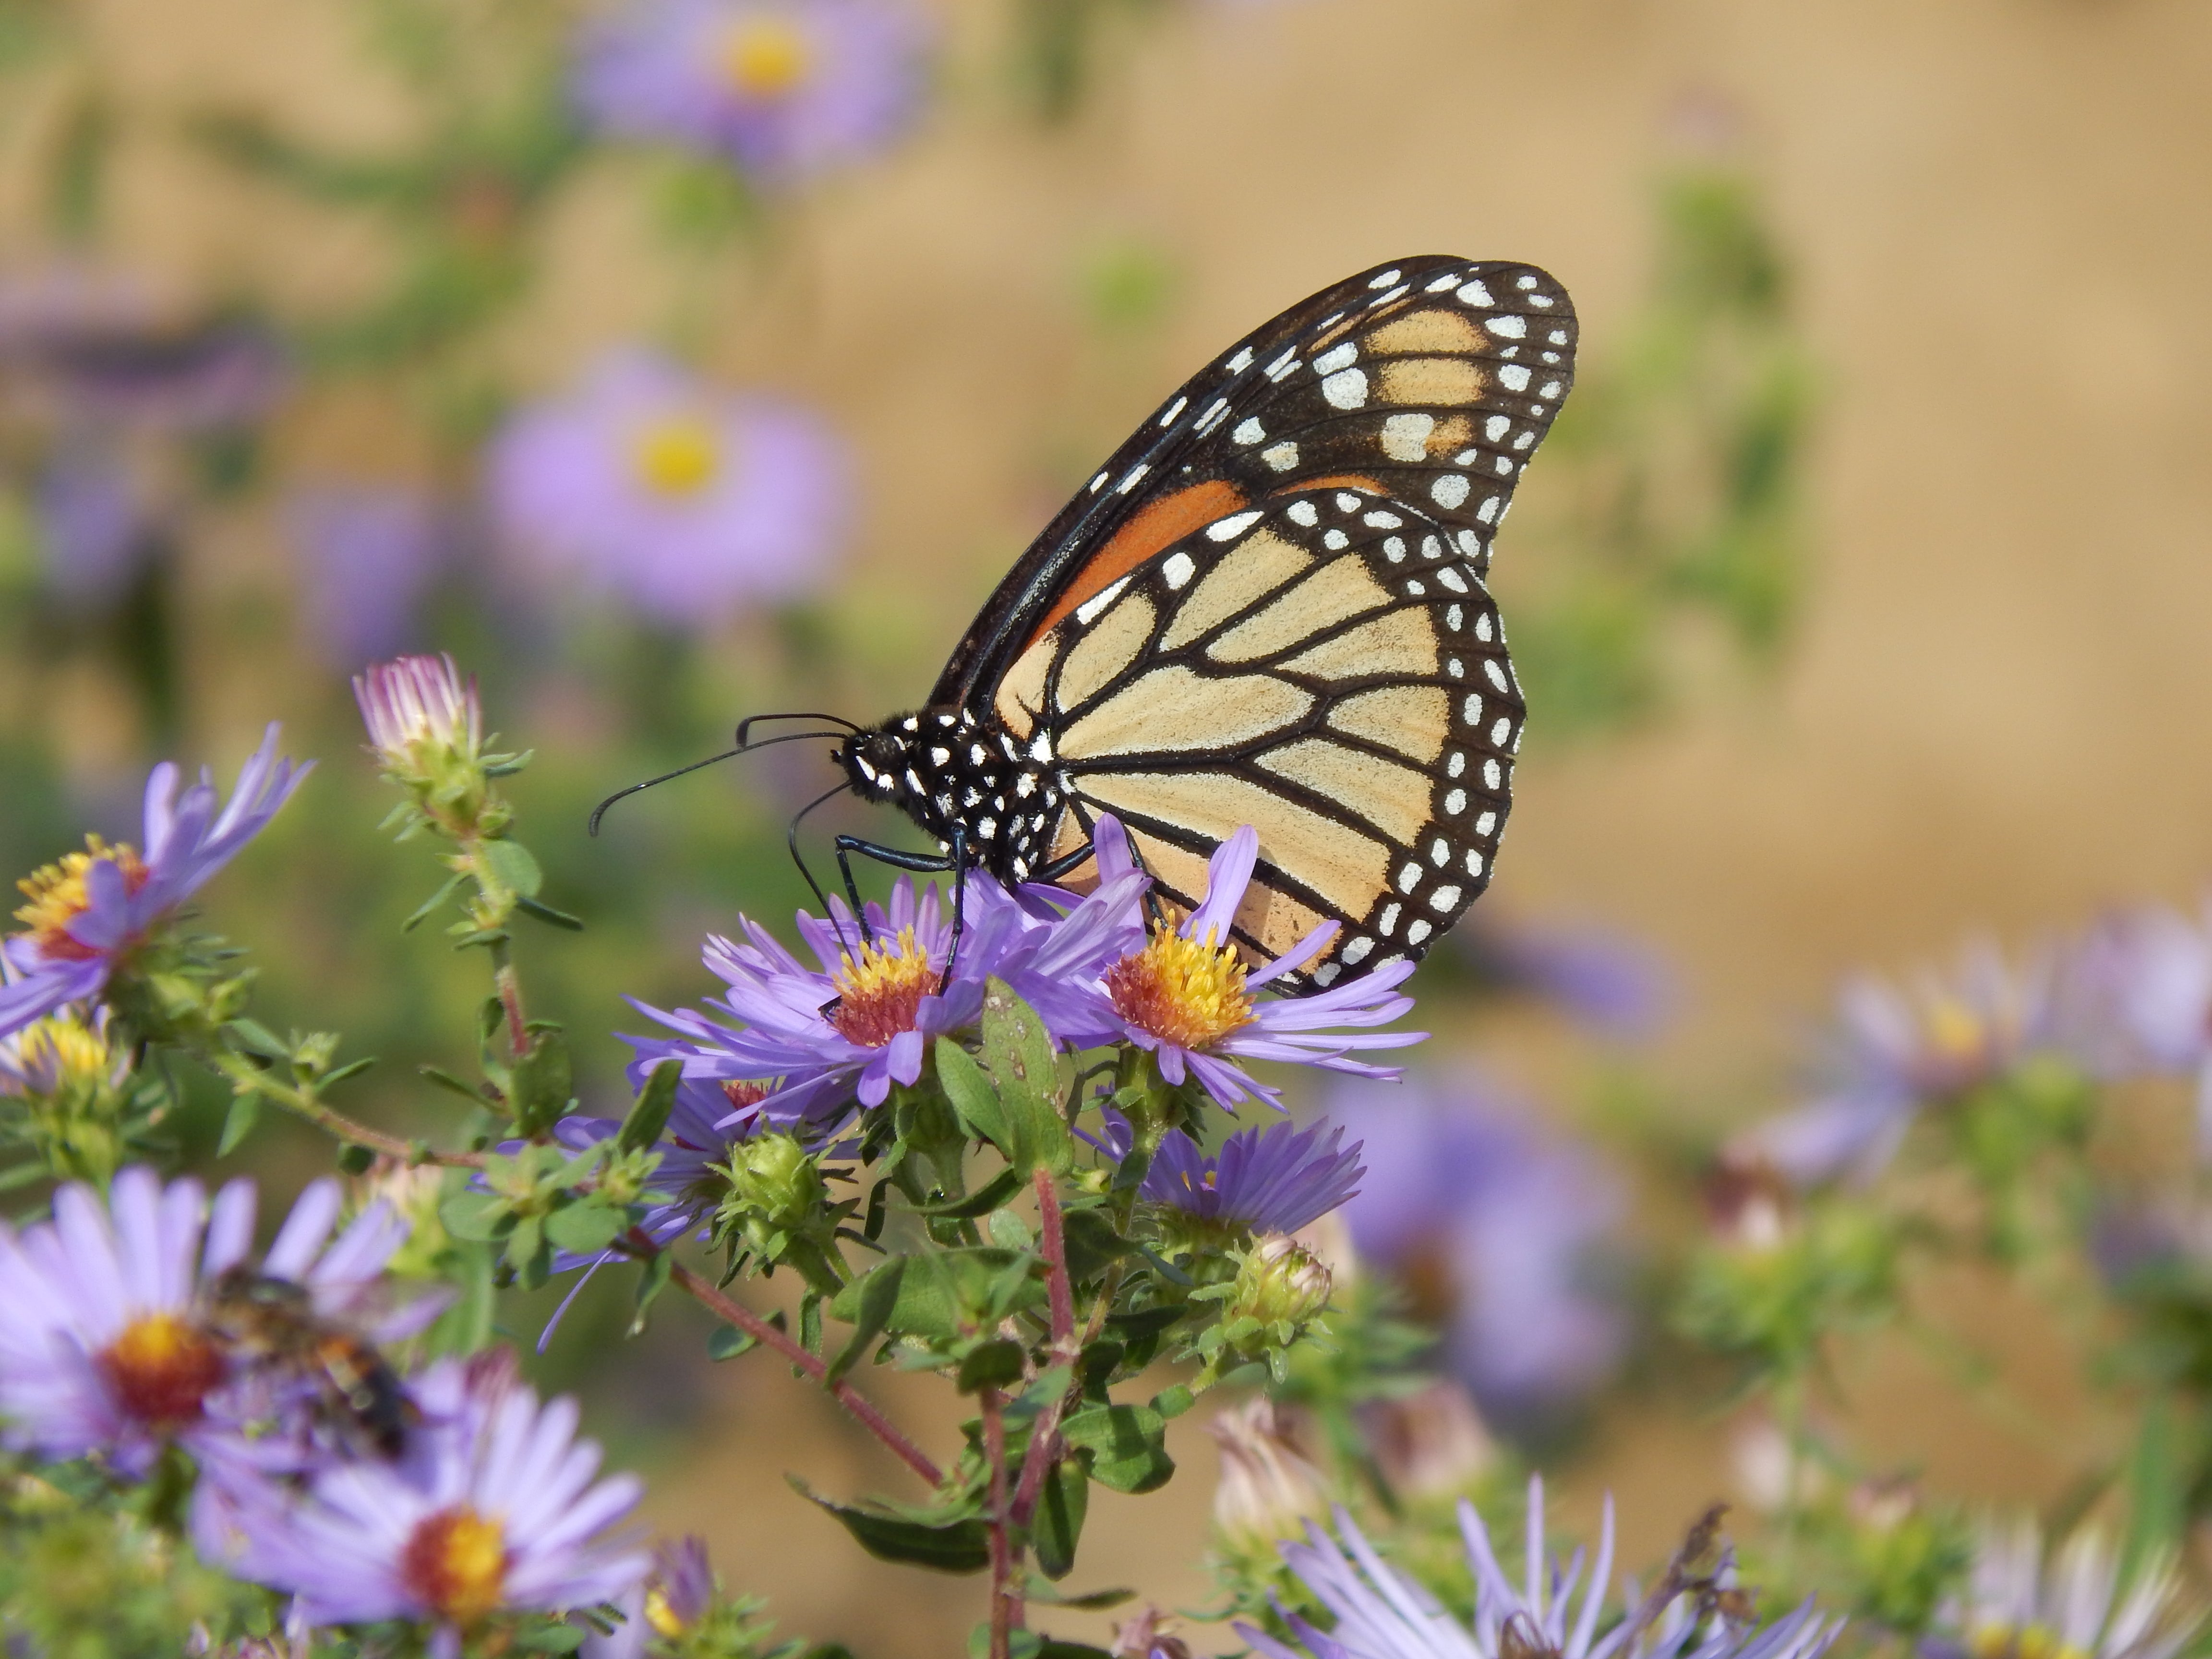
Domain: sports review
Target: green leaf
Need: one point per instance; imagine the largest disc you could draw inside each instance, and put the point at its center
(351, 1069)
(423, 912)
(984, 1200)
(991, 1364)
(878, 1297)
(960, 1545)
(973, 1099)
(658, 1268)
(728, 1342)
(543, 1081)
(1058, 1524)
(554, 1638)
(355, 1160)
(545, 913)
(1126, 1445)
(255, 1038)
(586, 1229)
(476, 1218)
(1092, 1244)
(648, 1113)
(1090, 1602)
(513, 866)
(237, 1123)
(1174, 1399)
(1024, 1062)
(445, 1079)
(946, 1293)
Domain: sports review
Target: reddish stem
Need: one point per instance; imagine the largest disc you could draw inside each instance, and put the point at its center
(1006, 1609)
(510, 996)
(1044, 1442)
(736, 1313)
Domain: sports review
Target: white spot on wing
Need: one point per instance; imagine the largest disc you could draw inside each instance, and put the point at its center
(1346, 389)
(1136, 473)
(1512, 328)
(1283, 457)
(1496, 671)
(1514, 377)
(1304, 513)
(1178, 569)
(1450, 490)
(1229, 529)
(1248, 430)
(1476, 294)
(1406, 437)
(1173, 410)
(1386, 278)
(1088, 611)
(1341, 356)
(1442, 899)
(1240, 362)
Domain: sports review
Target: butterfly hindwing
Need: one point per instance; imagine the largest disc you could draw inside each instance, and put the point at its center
(1325, 667)
(1430, 380)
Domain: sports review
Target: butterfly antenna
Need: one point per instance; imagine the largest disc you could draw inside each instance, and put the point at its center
(746, 726)
(745, 747)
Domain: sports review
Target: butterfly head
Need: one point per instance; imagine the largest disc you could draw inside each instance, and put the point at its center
(950, 769)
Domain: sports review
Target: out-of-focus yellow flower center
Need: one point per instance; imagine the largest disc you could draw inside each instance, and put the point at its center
(456, 1564)
(161, 1368)
(2001, 1641)
(677, 455)
(62, 1051)
(766, 57)
(1187, 992)
(57, 896)
(660, 1615)
(880, 992)
(1954, 1031)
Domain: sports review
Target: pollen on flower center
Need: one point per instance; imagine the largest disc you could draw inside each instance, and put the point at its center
(879, 994)
(161, 1368)
(766, 58)
(456, 1564)
(1186, 992)
(676, 456)
(2001, 1641)
(57, 896)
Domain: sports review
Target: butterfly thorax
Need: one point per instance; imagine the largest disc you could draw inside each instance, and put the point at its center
(944, 768)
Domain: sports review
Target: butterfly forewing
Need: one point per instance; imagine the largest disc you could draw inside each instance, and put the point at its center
(1430, 380)
(1325, 667)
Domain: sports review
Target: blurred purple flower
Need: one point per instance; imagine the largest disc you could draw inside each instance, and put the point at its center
(1187, 996)
(204, 376)
(367, 557)
(495, 1510)
(1380, 1613)
(2076, 1600)
(96, 527)
(1500, 1228)
(88, 911)
(2136, 997)
(1272, 1181)
(102, 1345)
(784, 89)
(1896, 1049)
(1614, 985)
(686, 502)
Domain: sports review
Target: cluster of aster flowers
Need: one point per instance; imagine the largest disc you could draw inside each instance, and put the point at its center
(144, 1326)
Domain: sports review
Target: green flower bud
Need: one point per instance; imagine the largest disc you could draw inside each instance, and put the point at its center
(1280, 1283)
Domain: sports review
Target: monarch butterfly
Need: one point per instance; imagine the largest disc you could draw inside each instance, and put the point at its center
(1267, 608)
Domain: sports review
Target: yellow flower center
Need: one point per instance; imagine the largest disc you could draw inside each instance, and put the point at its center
(1186, 992)
(660, 1615)
(1999, 1641)
(62, 1051)
(880, 993)
(766, 58)
(1954, 1031)
(161, 1368)
(456, 1564)
(57, 896)
(676, 456)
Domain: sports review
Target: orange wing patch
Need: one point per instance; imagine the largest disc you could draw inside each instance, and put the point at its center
(1155, 526)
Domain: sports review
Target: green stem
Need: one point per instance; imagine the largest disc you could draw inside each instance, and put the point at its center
(244, 1074)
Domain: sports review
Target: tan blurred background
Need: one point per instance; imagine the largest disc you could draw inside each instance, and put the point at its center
(1999, 214)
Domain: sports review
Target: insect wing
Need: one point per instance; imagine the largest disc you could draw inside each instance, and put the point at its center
(1430, 380)
(1325, 667)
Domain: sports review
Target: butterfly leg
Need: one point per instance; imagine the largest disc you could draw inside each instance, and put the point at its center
(956, 861)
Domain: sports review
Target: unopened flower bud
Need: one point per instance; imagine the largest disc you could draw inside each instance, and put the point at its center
(682, 1587)
(71, 1078)
(1268, 1486)
(1281, 1284)
(1147, 1636)
(775, 1186)
(1748, 1205)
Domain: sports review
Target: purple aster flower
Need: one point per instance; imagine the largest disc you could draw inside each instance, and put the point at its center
(1381, 1613)
(1897, 1049)
(495, 1511)
(1275, 1179)
(367, 557)
(96, 527)
(686, 502)
(91, 910)
(782, 88)
(1187, 997)
(194, 377)
(889, 1002)
(1501, 1230)
(104, 1342)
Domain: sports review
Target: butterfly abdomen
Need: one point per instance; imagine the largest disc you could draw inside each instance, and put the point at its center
(948, 768)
